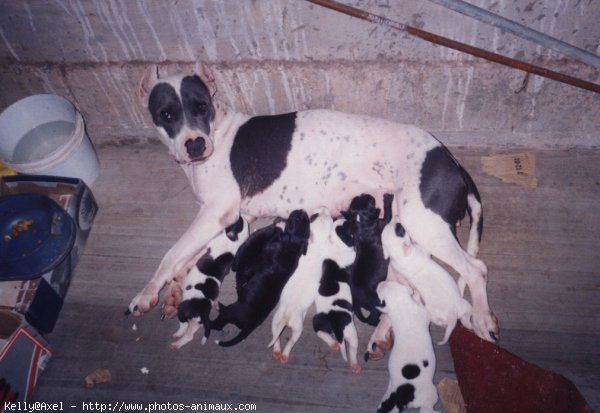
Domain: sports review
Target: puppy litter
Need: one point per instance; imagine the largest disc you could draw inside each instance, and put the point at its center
(97, 377)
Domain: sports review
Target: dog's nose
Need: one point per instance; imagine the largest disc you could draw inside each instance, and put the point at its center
(195, 147)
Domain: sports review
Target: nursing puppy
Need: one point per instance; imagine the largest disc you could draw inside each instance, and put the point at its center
(263, 276)
(300, 291)
(436, 286)
(412, 360)
(202, 284)
(363, 231)
(334, 318)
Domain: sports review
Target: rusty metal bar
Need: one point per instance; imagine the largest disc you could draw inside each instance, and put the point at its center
(462, 47)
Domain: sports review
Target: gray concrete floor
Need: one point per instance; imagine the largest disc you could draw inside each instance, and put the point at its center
(544, 285)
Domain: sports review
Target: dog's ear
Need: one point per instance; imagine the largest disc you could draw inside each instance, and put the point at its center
(234, 229)
(381, 306)
(147, 81)
(344, 232)
(305, 247)
(204, 72)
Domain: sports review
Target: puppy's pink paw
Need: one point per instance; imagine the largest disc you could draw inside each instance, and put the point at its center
(356, 368)
(335, 347)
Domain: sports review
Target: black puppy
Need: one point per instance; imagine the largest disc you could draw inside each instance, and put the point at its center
(263, 265)
(362, 230)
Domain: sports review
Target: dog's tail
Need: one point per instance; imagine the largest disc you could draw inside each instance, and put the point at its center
(205, 319)
(236, 314)
(475, 214)
(449, 329)
(278, 325)
(237, 339)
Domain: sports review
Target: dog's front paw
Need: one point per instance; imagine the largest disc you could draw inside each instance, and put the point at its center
(143, 302)
(485, 325)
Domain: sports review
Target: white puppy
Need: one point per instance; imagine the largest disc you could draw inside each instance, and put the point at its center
(412, 360)
(436, 286)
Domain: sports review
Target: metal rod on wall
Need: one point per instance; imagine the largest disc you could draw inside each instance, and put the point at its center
(520, 30)
(452, 44)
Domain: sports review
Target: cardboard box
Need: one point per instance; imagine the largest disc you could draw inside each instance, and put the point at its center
(24, 353)
(40, 299)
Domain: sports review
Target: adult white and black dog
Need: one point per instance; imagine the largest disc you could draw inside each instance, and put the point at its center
(270, 165)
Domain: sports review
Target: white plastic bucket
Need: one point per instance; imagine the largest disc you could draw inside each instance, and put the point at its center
(45, 135)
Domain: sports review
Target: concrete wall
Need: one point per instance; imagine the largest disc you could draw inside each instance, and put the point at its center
(280, 55)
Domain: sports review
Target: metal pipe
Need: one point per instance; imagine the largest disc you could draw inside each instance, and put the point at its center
(520, 30)
(452, 44)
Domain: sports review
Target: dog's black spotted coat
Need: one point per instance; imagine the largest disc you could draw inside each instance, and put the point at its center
(411, 371)
(445, 185)
(334, 321)
(259, 152)
(403, 395)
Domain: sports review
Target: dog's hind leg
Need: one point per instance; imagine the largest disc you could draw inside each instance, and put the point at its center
(437, 238)
(191, 328)
(277, 327)
(381, 339)
(295, 324)
(351, 341)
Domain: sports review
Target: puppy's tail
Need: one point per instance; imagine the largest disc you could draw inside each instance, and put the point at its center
(236, 314)
(277, 327)
(205, 319)
(237, 339)
(449, 330)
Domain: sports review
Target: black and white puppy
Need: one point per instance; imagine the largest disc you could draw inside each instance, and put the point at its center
(263, 265)
(202, 283)
(363, 231)
(334, 318)
(300, 290)
(412, 360)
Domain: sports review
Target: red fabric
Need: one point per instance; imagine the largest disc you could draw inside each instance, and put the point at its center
(493, 380)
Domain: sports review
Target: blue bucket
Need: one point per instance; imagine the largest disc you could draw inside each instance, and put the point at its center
(36, 236)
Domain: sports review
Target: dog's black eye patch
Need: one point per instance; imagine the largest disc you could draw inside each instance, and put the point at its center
(166, 109)
(197, 103)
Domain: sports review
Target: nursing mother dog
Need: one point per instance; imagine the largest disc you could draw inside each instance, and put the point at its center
(261, 166)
